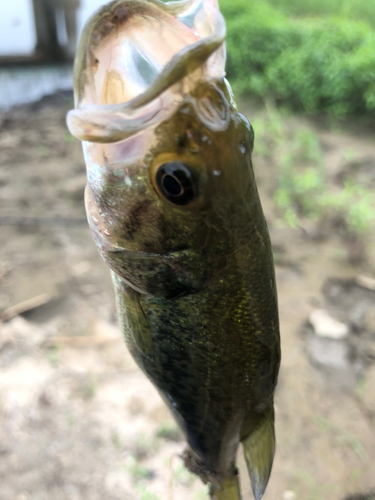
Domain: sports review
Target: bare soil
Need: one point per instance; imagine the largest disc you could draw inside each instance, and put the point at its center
(79, 421)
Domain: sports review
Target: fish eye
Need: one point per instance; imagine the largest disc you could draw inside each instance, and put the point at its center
(177, 183)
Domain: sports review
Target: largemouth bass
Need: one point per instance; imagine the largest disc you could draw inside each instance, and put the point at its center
(174, 210)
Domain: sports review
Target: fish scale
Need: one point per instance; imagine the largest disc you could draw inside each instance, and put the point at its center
(174, 209)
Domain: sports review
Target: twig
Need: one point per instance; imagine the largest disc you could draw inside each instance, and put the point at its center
(366, 282)
(171, 478)
(27, 305)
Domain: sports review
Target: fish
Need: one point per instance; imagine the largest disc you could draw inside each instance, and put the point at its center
(173, 207)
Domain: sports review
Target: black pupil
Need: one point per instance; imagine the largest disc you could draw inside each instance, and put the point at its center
(177, 183)
(172, 185)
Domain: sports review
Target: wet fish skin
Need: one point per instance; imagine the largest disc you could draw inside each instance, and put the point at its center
(195, 284)
(204, 328)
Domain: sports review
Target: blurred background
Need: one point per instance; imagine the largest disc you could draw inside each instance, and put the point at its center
(78, 420)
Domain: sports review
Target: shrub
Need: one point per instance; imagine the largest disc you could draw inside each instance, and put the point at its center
(316, 64)
(359, 10)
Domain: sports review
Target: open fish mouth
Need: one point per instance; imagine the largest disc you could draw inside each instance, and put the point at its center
(138, 60)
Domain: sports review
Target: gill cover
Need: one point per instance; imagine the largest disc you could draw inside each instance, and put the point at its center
(137, 60)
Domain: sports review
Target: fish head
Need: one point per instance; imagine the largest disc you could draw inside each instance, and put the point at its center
(168, 156)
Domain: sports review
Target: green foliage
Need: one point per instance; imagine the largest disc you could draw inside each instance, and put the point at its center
(303, 191)
(203, 493)
(146, 495)
(182, 476)
(360, 10)
(90, 387)
(136, 470)
(316, 64)
(356, 204)
(301, 180)
(144, 446)
(169, 432)
(53, 356)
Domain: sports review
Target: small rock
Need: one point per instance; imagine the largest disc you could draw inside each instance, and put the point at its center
(328, 353)
(357, 314)
(326, 326)
(289, 495)
(332, 358)
(368, 394)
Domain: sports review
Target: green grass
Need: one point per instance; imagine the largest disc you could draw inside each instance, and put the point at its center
(54, 356)
(137, 471)
(145, 494)
(320, 64)
(145, 446)
(356, 205)
(68, 137)
(182, 476)
(342, 438)
(169, 432)
(304, 190)
(201, 494)
(354, 443)
(314, 490)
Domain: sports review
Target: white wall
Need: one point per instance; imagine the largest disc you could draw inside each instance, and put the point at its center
(17, 32)
(87, 8)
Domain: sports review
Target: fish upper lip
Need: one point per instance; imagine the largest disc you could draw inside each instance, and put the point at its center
(110, 123)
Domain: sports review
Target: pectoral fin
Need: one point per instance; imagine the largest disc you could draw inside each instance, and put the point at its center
(259, 450)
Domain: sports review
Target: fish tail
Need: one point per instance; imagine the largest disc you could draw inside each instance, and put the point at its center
(259, 450)
(229, 489)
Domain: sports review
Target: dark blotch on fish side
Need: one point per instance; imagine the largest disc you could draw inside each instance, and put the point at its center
(137, 212)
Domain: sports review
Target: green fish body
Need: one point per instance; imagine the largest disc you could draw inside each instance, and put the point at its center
(174, 209)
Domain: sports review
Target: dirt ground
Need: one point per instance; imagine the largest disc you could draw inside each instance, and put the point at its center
(79, 421)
